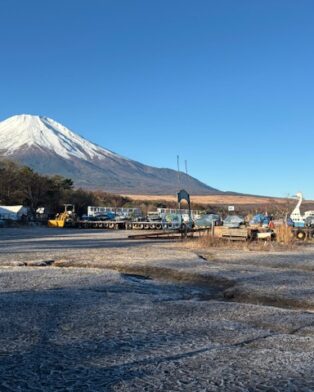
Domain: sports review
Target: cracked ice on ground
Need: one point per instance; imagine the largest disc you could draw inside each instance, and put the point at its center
(152, 316)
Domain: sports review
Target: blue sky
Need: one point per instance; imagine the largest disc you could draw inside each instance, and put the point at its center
(227, 85)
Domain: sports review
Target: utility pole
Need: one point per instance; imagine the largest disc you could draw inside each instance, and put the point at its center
(178, 166)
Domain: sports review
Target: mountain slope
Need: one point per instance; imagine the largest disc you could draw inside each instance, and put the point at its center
(50, 148)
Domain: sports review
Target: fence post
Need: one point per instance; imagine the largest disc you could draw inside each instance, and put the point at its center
(213, 229)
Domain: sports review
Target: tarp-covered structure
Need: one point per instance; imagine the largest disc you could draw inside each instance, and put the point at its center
(208, 220)
(13, 212)
(260, 219)
(233, 221)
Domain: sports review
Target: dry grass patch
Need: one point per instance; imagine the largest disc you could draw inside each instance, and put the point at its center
(212, 199)
(284, 235)
(283, 243)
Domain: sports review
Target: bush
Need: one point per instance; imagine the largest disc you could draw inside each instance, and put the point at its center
(284, 234)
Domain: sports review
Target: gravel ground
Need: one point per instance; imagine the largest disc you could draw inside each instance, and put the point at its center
(147, 316)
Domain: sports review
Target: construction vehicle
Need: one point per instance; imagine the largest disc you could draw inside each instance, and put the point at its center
(126, 218)
(303, 224)
(299, 219)
(67, 218)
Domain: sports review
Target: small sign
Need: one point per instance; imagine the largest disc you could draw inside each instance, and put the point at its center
(231, 208)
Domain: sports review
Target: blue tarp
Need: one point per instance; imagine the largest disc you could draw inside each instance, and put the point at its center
(260, 219)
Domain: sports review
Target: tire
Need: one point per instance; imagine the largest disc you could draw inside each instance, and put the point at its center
(300, 235)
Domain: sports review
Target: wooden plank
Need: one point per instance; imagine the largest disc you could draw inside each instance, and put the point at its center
(231, 232)
(235, 238)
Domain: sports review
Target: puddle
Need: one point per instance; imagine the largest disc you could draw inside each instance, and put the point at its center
(135, 277)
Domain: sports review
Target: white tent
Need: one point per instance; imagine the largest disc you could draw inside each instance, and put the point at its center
(12, 212)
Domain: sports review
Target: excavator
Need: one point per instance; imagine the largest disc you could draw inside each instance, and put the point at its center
(299, 219)
(67, 218)
(303, 223)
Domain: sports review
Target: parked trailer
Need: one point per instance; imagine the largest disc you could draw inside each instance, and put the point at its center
(303, 233)
(143, 225)
(151, 225)
(125, 225)
(112, 225)
(94, 211)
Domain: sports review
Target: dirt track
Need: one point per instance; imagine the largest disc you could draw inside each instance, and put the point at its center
(112, 328)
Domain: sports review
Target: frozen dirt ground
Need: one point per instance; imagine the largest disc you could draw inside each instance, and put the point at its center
(146, 316)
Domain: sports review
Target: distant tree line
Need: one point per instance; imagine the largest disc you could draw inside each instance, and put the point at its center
(22, 185)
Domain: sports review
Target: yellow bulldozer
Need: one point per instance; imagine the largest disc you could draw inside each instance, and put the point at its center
(67, 218)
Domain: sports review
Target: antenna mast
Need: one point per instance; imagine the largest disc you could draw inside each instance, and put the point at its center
(178, 166)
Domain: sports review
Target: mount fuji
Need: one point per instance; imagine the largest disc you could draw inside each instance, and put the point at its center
(50, 148)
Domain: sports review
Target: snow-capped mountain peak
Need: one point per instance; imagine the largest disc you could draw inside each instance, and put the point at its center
(24, 131)
(50, 148)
